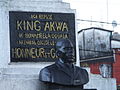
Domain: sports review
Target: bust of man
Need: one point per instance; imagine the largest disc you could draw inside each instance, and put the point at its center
(63, 71)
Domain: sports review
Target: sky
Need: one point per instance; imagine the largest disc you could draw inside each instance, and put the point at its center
(97, 10)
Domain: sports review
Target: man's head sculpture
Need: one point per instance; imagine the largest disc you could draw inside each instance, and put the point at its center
(63, 67)
(65, 51)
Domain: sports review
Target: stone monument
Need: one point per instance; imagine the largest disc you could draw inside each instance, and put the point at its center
(28, 32)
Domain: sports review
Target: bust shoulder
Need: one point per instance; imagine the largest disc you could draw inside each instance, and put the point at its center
(80, 68)
(45, 73)
(83, 75)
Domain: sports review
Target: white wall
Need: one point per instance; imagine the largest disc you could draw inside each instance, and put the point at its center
(98, 82)
(115, 44)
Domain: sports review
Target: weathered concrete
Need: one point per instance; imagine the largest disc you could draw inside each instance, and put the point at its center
(24, 76)
(20, 78)
(100, 83)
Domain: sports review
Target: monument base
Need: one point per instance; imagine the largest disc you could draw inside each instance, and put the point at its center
(15, 79)
(64, 87)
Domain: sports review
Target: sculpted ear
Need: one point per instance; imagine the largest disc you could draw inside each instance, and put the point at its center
(44, 75)
(59, 54)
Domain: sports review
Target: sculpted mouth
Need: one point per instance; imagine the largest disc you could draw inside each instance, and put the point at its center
(71, 57)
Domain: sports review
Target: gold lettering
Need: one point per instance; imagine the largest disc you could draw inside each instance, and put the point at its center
(56, 26)
(65, 27)
(19, 27)
(42, 16)
(52, 26)
(59, 26)
(20, 42)
(34, 16)
(37, 25)
(13, 52)
(24, 25)
(46, 26)
(52, 52)
(32, 52)
(17, 52)
(29, 25)
(42, 52)
(20, 35)
(26, 53)
(50, 17)
(46, 35)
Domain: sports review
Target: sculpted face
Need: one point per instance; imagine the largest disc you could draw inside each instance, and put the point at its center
(65, 51)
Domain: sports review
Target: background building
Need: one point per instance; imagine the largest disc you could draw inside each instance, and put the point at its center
(107, 67)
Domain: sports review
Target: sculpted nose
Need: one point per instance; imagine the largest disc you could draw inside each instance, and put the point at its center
(70, 52)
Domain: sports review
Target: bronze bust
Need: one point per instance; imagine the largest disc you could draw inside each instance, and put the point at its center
(63, 72)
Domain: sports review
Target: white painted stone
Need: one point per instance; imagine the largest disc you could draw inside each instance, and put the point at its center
(115, 44)
(4, 35)
(98, 82)
(20, 84)
(33, 0)
(49, 4)
(23, 76)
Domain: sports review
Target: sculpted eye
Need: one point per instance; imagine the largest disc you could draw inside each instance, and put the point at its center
(68, 48)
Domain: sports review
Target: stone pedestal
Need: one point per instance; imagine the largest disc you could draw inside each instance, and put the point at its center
(98, 82)
(22, 75)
